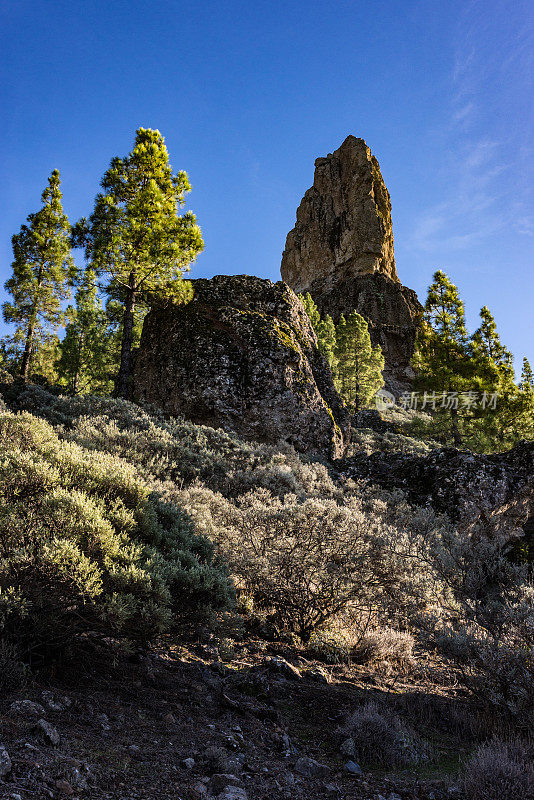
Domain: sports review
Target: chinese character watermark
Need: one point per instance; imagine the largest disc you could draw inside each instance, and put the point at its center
(432, 401)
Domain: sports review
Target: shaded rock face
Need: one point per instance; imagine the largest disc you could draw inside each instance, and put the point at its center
(242, 355)
(341, 251)
(495, 490)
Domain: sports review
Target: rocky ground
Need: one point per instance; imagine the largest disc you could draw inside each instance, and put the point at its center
(181, 723)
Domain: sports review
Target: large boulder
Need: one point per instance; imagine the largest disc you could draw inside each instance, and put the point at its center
(242, 355)
(341, 251)
(494, 490)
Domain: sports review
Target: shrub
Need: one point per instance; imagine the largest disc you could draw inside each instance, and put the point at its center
(87, 547)
(382, 738)
(486, 626)
(500, 771)
(384, 644)
(14, 674)
(307, 562)
(177, 450)
(333, 643)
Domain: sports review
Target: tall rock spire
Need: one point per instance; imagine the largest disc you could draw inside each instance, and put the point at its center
(344, 225)
(341, 251)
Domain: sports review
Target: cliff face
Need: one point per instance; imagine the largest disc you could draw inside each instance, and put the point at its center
(242, 355)
(341, 251)
(343, 222)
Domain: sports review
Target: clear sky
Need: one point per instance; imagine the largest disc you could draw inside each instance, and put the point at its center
(248, 94)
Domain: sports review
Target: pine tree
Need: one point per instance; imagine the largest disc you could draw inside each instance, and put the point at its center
(356, 365)
(326, 337)
(311, 309)
(360, 365)
(42, 270)
(493, 376)
(442, 358)
(527, 376)
(324, 329)
(494, 360)
(86, 359)
(136, 237)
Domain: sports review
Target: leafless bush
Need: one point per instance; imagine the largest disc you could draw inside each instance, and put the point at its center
(14, 675)
(384, 644)
(485, 623)
(381, 738)
(500, 771)
(307, 562)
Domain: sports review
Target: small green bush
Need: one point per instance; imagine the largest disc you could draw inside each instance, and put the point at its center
(86, 546)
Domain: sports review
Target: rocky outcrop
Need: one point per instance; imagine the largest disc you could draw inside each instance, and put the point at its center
(341, 251)
(344, 225)
(495, 490)
(242, 355)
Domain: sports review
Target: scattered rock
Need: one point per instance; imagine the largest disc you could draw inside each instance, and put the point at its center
(309, 768)
(242, 356)
(199, 791)
(103, 721)
(169, 719)
(64, 788)
(284, 668)
(187, 763)
(221, 781)
(352, 768)
(48, 732)
(5, 762)
(54, 704)
(332, 789)
(135, 751)
(27, 708)
(348, 748)
(288, 748)
(233, 793)
(79, 777)
(318, 674)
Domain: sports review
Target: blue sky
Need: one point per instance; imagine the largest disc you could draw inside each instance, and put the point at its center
(248, 94)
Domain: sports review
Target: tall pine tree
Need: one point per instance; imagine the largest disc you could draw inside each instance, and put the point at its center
(356, 365)
(360, 365)
(137, 238)
(442, 358)
(324, 329)
(42, 270)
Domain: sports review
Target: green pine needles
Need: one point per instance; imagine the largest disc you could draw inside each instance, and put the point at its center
(465, 369)
(135, 236)
(42, 271)
(356, 365)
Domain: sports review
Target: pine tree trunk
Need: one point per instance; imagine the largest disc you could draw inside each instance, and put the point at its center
(122, 383)
(457, 439)
(26, 356)
(76, 375)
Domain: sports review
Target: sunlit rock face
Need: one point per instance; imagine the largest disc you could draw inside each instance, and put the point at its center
(341, 250)
(242, 355)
